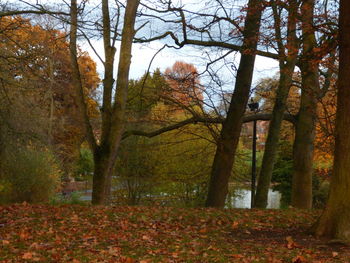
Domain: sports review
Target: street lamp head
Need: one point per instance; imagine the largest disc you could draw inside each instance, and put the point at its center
(253, 106)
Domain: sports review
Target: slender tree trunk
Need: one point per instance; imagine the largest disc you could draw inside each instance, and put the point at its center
(231, 128)
(287, 65)
(272, 140)
(76, 76)
(114, 116)
(335, 220)
(305, 128)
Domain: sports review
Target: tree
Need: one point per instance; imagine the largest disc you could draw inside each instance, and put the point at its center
(175, 164)
(113, 105)
(36, 81)
(315, 49)
(287, 64)
(231, 127)
(183, 81)
(335, 220)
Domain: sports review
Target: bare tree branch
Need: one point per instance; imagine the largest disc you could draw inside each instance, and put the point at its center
(194, 120)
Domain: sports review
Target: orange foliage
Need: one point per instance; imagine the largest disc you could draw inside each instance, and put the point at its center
(184, 86)
(39, 60)
(324, 141)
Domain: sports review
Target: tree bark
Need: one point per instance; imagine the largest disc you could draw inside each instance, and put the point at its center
(113, 110)
(303, 147)
(76, 76)
(113, 115)
(287, 65)
(231, 128)
(335, 220)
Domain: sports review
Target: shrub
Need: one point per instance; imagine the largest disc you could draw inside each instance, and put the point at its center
(28, 175)
(72, 199)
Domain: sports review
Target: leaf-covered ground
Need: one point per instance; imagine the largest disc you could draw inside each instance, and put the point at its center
(40, 233)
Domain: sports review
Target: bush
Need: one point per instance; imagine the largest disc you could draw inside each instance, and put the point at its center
(28, 175)
(73, 199)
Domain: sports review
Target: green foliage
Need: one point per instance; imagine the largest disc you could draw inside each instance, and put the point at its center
(72, 199)
(172, 168)
(144, 93)
(184, 164)
(28, 175)
(282, 173)
(85, 165)
(282, 177)
(134, 170)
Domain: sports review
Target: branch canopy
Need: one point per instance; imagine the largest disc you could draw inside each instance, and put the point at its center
(194, 120)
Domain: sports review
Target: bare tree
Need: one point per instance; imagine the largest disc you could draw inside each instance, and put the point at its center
(113, 106)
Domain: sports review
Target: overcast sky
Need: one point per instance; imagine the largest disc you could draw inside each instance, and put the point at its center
(142, 55)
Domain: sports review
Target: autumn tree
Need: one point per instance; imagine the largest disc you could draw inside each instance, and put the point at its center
(334, 222)
(314, 51)
(183, 82)
(36, 67)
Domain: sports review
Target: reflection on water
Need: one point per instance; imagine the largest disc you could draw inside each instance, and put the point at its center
(242, 197)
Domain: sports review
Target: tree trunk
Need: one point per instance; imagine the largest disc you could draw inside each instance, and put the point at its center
(335, 220)
(272, 140)
(101, 159)
(113, 116)
(231, 128)
(287, 65)
(305, 128)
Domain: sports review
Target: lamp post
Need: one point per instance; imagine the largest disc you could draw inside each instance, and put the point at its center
(254, 107)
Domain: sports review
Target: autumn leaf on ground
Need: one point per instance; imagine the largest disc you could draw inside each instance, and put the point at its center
(299, 259)
(234, 225)
(290, 243)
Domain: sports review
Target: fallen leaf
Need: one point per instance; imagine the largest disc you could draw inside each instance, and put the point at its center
(234, 225)
(144, 237)
(290, 242)
(203, 230)
(114, 251)
(5, 242)
(299, 259)
(27, 255)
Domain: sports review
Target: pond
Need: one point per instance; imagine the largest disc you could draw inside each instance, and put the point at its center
(242, 197)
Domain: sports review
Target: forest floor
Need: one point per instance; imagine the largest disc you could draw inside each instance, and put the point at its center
(42, 233)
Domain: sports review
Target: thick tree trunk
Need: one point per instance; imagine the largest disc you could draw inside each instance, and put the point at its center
(303, 153)
(305, 128)
(231, 128)
(287, 65)
(101, 159)
(335, 220)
